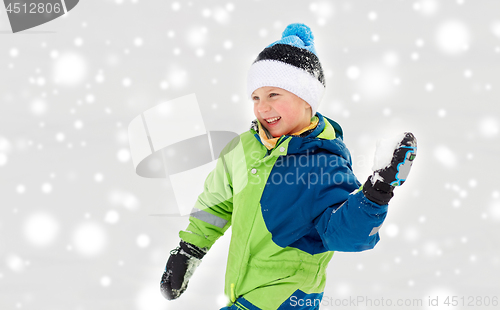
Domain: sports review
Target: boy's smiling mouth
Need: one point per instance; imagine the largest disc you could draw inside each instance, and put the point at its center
(272, 120)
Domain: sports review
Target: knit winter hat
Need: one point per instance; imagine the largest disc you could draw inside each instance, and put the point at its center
(291, 64)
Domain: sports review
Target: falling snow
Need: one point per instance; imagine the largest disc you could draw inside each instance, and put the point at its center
(489, 127)
(445, 156)
(74, 208)
(69, 69)
(105, 281)
(143, 241)
(41, 229)
(112, 217)
(453, 37)
(89, 239)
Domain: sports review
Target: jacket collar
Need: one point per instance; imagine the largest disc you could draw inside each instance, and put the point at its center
(299, 144)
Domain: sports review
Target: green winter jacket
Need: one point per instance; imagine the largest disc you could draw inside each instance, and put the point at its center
(289, 209)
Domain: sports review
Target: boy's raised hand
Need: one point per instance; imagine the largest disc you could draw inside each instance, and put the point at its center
(389, 174)
(180, 267)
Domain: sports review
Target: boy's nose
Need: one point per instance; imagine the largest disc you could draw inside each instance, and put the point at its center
(263, 107)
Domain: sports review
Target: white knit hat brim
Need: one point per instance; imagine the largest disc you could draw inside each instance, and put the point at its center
(293, 79)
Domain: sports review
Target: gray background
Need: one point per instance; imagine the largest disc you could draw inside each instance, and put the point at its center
(80, 230)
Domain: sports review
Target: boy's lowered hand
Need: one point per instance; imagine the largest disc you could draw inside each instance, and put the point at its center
(180, 267)
(389, 172)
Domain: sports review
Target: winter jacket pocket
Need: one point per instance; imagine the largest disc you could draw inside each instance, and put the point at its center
(270, 272)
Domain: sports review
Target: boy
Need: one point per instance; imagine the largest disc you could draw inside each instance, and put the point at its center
(287, 188)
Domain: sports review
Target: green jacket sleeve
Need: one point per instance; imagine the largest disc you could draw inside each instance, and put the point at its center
(211, 215)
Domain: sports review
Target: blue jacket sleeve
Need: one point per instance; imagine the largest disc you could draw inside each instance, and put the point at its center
(353, 226)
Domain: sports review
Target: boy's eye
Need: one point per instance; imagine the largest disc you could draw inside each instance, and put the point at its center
(254, 98)
(273, 94)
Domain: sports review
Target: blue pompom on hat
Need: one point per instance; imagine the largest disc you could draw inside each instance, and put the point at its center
(298, 35)
(291, 64)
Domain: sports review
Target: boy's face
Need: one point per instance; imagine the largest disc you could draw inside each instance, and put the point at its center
(280, 111)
